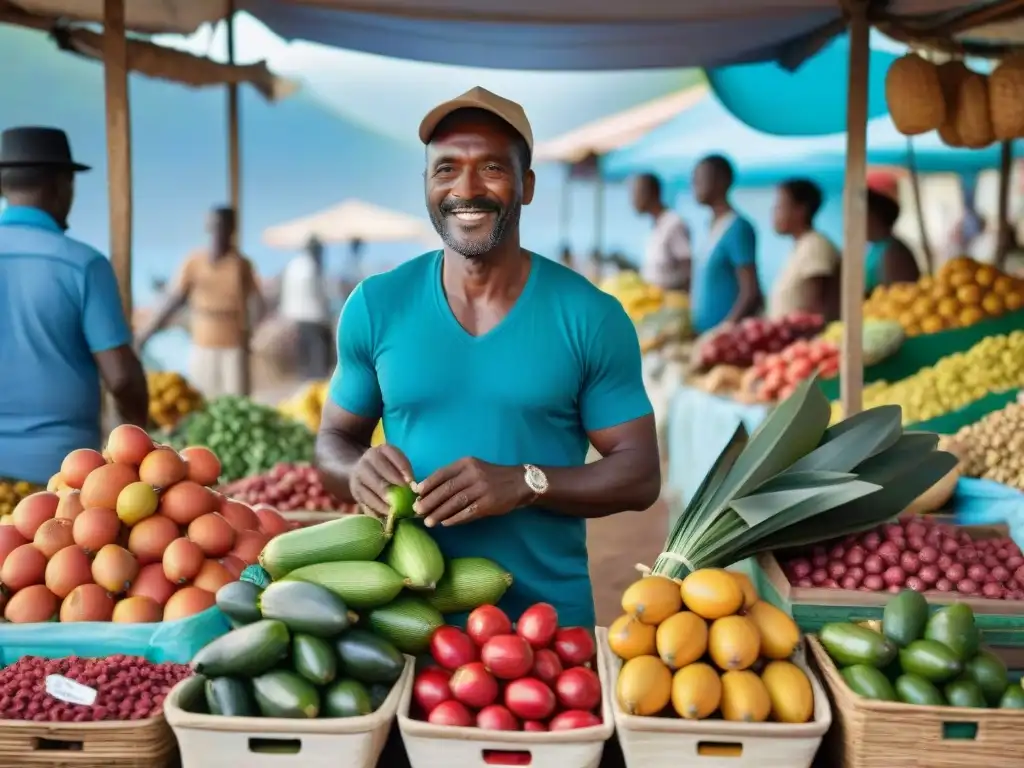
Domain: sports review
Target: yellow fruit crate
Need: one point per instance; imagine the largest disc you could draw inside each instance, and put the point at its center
(667, 742)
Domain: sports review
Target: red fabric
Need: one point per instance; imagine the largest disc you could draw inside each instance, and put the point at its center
(884, 182)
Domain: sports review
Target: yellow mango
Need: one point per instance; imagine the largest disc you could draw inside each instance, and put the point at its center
(629, 638)
(681, 639)
(744, 697)
(780, 636)
(790, 692)
(652, 599)
(644, 686)
(712, 593)
(696, 691)
(749, 591)
(734, 642)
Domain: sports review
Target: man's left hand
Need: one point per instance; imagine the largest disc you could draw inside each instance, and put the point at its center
(469, 490)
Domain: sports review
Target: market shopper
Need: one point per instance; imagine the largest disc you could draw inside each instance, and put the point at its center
(218, 285)
(667, 259)
(62, 325)
(809, 280)
(305, 305)
(724, 286)
(493, 368)
(889, 260)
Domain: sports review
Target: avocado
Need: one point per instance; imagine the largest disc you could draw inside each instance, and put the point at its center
(914, 689)
(380, 691)
(989, 672)
(1012, 698)
(307, 608)
(314, 659)
(851, 644)
(964, 693)
(954, 627)
(346, 698)
(368, 658)
(239, 601)
(931, 660)
(231, 697)
(904, 618)
(868, 682)
(284, 694)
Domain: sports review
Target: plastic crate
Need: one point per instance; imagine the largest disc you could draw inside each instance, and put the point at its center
(212, 741)
(668, 742)
(435, 746)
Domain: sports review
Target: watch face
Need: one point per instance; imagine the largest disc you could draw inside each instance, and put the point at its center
(536, 479)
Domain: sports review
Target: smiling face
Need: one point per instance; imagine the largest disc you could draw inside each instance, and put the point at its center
(476, 182)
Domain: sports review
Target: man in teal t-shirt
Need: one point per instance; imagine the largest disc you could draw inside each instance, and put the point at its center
(493, 369)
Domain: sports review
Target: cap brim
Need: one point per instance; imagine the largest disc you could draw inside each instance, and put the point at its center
(441, 111)
(75, 167)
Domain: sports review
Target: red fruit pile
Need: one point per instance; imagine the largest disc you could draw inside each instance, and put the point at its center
(537, 678)
(288, 487)
(774, 376)
(127, 688)
(915, 553)
(738, 344)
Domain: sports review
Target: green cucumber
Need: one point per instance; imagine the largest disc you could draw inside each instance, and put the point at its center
(914, 689)
(360, 585)
(350, 538)
(231, 697)
(904, 618)
(305, 607)
(244, 652)
(868, 682)
(954, 627)
(368, 658)
(414, 555)
(238, 601)
(965, 693)
(380, 691)
(852, 644)
(314, 659)
(931, 660)
(989, 672)
(468, 583)
(284, 694)
(407, 622)
(346, 698)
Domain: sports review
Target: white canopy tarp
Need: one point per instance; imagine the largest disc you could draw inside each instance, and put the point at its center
(350, 221)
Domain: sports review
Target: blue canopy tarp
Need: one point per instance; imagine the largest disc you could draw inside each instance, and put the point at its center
(760, 159)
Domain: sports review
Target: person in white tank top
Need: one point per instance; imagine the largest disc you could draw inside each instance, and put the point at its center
(667, 259)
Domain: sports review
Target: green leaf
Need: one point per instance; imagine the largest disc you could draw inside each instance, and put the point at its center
(909, 451)
(796, 480)
(854, 440)
(722, 466)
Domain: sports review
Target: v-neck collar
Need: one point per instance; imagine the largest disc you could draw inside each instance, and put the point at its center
(441, 300)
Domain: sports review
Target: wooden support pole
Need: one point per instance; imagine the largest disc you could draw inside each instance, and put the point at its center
(1003, 218)
(855, 213)
(119, 146)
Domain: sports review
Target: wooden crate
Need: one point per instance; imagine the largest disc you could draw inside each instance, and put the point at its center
(108, 744)
(884, 734)
(1000, 621)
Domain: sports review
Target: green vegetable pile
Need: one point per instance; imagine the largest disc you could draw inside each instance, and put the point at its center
(248, 438)
(919, 659)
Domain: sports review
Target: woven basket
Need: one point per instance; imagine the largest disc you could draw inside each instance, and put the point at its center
(885, 734)
(1006, 99)
(914, 95)
(109, 744)
(951, 74)
(973, 120)
(935, 498)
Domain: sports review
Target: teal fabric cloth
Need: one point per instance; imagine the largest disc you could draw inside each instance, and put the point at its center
(715, 285)
(565, 361)
(873, 265)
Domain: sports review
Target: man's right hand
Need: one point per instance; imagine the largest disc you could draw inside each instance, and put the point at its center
(374, 473)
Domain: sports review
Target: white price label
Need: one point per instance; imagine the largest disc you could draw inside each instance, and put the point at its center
(68, 690)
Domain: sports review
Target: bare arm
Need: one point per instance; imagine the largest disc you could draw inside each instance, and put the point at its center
(174, 301)
(823, 296)
(899, 265)
(123, 376)
(254, 295)
(749, 299)
(341, 442)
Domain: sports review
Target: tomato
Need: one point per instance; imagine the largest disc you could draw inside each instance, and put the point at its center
(538, 625)
(572, 719)
(534, 725)
(486, 622)
(507, 656)
(496, 718)
(574, 646)
(450, 713)
(529, 699)
(474, 686)
(546, 666)
(452, 648)
(578, 688)
(431, 689)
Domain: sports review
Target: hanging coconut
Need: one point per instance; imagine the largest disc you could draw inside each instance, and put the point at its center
(951, 74)
(1006, 98)
(973, 120)
(914, 95)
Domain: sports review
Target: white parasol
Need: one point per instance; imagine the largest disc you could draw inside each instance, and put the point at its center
(351, 221)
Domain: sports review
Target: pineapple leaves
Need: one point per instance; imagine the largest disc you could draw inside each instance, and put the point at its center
(854, 440)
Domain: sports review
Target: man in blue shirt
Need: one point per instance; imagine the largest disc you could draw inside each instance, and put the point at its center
(724, 288)
(493, 369)
(62, 326)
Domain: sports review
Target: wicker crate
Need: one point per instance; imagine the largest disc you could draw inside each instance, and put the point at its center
(211, 741)
(433, 746)
(109, 744)
(667, 742)
(1000, 621)
(884, 734)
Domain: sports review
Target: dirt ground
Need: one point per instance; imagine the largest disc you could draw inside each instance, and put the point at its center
(616, 545)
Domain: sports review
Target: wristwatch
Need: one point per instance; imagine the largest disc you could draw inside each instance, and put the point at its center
(536, 480)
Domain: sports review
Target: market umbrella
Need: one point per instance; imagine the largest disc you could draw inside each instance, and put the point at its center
(353, 222)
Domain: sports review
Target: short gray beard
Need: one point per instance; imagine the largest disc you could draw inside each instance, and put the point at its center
(475, 249)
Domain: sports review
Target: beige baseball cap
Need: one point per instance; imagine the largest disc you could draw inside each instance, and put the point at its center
(479, 98)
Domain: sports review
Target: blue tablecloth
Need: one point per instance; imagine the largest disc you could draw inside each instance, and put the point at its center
(699, 426)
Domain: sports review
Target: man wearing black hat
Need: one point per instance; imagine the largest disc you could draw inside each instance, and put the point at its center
(62, 325)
